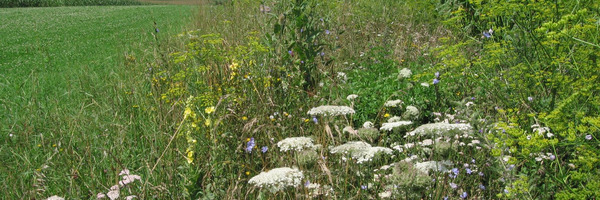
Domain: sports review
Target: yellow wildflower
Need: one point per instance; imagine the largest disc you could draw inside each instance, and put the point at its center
(386, 115)
(244, 118)
(190, 157)
(209, 110)
(207, 122)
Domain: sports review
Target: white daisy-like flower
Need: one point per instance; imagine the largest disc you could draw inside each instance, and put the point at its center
(331, 110)
(368, 124)
(352, 97)
(278, 179)
(425, 84)
(295, 144)
(409, 145)
(404, 73)
(438, 128)
(392, 125)
(393, 103)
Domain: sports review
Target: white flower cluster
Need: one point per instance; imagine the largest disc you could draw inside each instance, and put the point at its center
(352, 97)
(438, 128)
(411, 112)
(433, 165)
(331, 110)
(392, 125)
(278, 179)
(295, 144)
(360, 151)
(541, 130)
(404, 73)
(394, 119)
(114, 191)
(393, 103)
(368, 124)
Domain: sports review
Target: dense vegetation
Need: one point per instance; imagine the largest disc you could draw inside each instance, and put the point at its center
(300, 99)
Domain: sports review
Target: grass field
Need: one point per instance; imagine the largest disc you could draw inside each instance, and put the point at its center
(70, 80)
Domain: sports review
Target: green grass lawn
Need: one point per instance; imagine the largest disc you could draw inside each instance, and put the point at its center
(70, 78)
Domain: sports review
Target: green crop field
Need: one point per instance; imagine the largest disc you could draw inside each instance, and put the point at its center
(70, 77)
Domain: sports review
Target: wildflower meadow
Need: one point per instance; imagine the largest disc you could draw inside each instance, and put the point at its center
(339, 99)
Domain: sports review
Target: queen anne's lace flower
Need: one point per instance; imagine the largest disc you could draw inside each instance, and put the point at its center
(394, 119)
(368, 124)
(360, 151)
(393, 103)
(331, 110)
(392, 125)
(411, 112)
(433, 165)
(352, 97)
(295, 144)
(278, 179)
(438, 128)
(404, 73)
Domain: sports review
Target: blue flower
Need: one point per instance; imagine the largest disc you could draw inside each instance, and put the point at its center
(315, 120)
(322, 53)
(264, 149)
(364, 187)
(481, 186)
(530, 98)
(487, 34)
(291, 53)
(250, 145)
(327, 32)
(481, 174)
(454, 173)
(435, 81)
(437, 74)
(453, 185)
(446, 198)
(469, 171)
(464, 195)
(307, 183)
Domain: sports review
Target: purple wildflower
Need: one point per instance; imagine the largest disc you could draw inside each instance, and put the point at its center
(156, 30)
(481, 174)
(250, 145)
(453, 185)
(264, 149)
(588, 137)
(307, 183)
(510, 167)
(487, 34)
(364, 187)
(315, 120)
(469, 171)
(327, 32)
(322, 53)
(481, 186)
(435, 81)
(552, 157)
(530, 98)
(291, 53)
(437, 74)
(464, 195)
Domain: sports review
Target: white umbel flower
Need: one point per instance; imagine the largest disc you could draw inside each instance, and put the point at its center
(360, 151)
(295, 144)
(55, 198)
(393, 103)
(331, 110)
(411, 112)
(394, 119)
(433, 165)
(278, 179)
(390, 126)
(438, 128)
(368, 124)
(352, 97)
(404, 73)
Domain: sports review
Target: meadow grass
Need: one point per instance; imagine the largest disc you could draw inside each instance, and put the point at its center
(72, 77)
